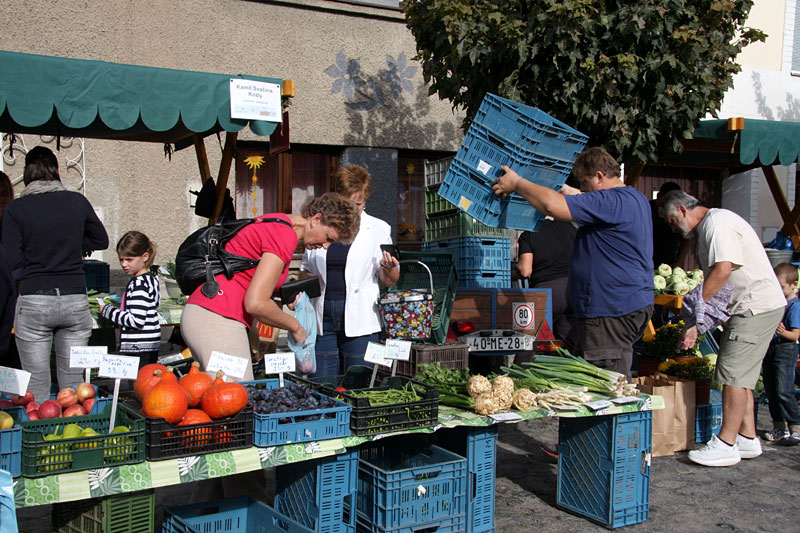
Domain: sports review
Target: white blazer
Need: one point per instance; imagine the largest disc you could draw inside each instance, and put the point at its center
(360, 275)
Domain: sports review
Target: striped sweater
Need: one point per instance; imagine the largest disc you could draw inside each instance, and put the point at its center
(140, 330)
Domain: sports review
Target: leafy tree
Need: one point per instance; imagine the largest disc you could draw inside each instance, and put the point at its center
(634, 75)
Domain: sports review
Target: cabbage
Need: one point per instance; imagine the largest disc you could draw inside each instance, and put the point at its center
(697, 275)
(678, 274)
(664, 270)
(681, 288)
(659, 282)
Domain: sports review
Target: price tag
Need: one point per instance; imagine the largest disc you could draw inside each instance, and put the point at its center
(87, 356)
(566, 407)
(398, 349)
(627, 399)
(13, 380)
(597, 405)
(277, 363)
(505, 417)
(230, 364)
(119, 366)
(376, 354)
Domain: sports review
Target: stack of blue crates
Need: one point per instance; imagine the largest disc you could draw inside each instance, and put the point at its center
(482, 254)
(529, 141)
(708, 420)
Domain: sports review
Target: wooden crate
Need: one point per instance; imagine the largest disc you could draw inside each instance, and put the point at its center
(493, 308)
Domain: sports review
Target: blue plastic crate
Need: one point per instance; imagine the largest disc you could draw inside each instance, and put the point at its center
(479, 446)
(11, 443)
(484, 279)
(274, 429)
(542, 133)
(708, 421)
(484, 151)
(604, 467)
(240, 515)
(319, 494)
(454, 524)
(469, 192)
(474, 253)
(402, 489)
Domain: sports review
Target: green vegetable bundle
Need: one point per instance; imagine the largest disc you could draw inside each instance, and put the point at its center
(452, 384)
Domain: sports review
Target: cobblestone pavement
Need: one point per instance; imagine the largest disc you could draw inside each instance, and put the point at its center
(755, 495)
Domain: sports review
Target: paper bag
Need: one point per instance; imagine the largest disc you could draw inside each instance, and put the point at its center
(685, 413)
(663, 419)
(673, 426)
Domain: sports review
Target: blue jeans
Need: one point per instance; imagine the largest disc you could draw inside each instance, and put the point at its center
(38, 320)
(778, 373)
(335, 351)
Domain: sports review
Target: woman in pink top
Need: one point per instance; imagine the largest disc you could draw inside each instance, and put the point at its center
(221, 323)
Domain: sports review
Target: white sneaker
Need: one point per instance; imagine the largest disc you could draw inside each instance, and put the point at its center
(716, 453)
(748, 448)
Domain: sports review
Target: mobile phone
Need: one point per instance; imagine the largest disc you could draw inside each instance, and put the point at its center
(392, 249)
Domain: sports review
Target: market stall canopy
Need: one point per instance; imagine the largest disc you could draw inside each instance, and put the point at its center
(80, 98)
(740, 144)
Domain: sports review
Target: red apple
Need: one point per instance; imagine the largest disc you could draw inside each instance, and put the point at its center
(84, 391)
(33, 414)
(31, 406)
(22, 400)
(74, 410)
(67, 397)
(5, 403)
(88, 404)
(49, 409)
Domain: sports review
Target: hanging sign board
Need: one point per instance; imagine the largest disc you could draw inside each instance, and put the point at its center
(255, 100)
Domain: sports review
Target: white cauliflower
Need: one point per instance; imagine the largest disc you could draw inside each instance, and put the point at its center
(478, 385)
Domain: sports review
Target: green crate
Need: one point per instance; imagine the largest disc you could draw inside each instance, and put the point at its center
(123, 513)
(445, 226)
(41, 457)
(435, 204)
(445, 283)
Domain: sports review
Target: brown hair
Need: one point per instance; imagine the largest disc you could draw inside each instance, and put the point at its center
(6, 191)
(787, 271)
(338, 212)
(351, 180)
(40, 164)
(593, 159)
(135, 244)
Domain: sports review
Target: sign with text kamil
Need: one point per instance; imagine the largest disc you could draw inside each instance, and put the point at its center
(255, 100)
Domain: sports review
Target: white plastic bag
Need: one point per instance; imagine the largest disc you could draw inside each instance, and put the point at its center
(304, 354)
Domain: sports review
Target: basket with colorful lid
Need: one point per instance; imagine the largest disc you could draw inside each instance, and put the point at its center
(407, 314)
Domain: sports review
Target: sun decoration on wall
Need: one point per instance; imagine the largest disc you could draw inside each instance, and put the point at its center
(410, 168)
(254, 162)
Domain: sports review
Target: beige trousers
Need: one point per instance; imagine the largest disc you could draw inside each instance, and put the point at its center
(205, 331)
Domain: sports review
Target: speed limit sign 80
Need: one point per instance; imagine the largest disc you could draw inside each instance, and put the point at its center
(523, 315)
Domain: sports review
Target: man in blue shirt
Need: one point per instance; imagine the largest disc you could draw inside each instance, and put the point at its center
(610, 274)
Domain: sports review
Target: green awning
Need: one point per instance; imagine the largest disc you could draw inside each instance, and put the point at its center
(79, 98)
(760, 143)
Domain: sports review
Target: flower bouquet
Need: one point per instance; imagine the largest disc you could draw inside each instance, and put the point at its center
(698, 369)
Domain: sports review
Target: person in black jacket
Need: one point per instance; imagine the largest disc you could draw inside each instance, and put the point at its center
(45, 232)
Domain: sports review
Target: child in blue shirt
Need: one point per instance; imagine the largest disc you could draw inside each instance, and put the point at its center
(780, 362)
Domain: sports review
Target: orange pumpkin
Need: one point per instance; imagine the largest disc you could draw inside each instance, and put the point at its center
(166, 399)
(146, 379)
(223, 435)
(199, 437)
(223, 399)
(195, 383)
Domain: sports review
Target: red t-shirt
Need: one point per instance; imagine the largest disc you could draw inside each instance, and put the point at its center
(251, 241)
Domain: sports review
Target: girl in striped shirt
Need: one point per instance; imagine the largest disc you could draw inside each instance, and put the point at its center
(140, 330)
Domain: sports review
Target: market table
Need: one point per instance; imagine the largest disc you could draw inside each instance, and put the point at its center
(101, 482)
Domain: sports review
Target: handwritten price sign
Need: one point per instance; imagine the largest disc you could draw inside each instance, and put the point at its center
(230, 364)
(119, 367)
(87, 356)
(13, 380)
(376, 354)
(277, 363)
(397, 349)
